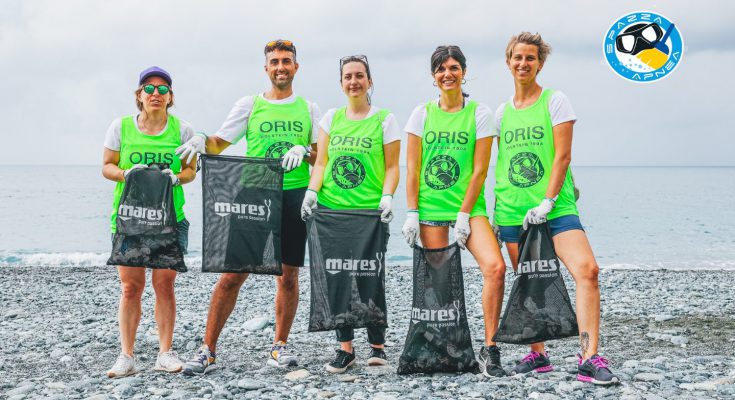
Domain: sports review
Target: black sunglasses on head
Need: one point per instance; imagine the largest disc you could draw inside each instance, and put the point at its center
(356, 57)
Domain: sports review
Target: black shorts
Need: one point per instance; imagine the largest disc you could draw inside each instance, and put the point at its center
(293, 228)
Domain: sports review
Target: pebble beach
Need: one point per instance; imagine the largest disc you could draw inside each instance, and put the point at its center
(668, 335)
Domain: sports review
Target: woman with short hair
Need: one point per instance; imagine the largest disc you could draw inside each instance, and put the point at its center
(534, 185)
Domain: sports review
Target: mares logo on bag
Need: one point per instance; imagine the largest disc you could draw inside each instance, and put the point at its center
(152, 216)
(348, 172)
(442, 172)
(536, 267)
(525, 170)
(356, 266)
(253, 212)
(448, 316)
(643, 46)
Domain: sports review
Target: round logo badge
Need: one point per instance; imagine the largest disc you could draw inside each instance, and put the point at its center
(442, 172)
(643, 46)
(348, 172)
(278, 149)
(525, 170)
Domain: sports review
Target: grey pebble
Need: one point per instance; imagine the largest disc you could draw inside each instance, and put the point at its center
(250, 384)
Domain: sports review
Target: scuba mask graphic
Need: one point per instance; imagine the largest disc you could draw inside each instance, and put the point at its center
(638, 37)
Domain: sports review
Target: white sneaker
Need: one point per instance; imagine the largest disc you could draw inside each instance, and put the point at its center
(124, 366)
(169, 362)
(281, 357)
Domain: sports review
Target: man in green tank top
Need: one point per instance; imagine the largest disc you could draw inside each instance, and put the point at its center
(275, 124)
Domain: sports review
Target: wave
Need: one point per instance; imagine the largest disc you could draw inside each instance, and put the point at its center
(75, 259)
(89, 259)
(709, 265)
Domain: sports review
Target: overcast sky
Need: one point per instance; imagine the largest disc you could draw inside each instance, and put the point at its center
(68, 68)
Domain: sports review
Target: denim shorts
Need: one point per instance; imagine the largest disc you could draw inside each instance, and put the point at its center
(437, 223)
(512, 234)
(182, 228)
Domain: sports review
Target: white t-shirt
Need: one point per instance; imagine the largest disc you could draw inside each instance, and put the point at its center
(391, 130)
(113, 135)
(483, 120)
(236, 123)
(560, 109)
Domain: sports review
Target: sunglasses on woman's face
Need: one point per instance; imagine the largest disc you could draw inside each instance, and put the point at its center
(162, 89)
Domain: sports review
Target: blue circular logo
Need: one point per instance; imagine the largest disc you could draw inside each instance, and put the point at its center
(643, 46)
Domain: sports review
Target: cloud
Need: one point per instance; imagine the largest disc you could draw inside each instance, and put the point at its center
(70, 67)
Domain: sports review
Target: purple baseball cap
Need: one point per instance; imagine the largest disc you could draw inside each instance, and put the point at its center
(154, 71)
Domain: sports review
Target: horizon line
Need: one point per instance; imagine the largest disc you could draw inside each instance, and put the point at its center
(491, 166)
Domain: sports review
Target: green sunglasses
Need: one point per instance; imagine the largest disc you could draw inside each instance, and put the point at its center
(162, 89)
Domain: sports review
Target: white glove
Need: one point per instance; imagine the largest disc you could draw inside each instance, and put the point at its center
(411, 227)
(294, 157)
(462, 229)
(308, 204)
(174, 179)
(386, 205)
(537, 215)
(196, 144)
(134, 167)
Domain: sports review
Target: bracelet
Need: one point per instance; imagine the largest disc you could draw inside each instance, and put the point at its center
(413, 211)
(388, 194)
(202, 134)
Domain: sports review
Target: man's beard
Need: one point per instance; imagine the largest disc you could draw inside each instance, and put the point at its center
(282, 84)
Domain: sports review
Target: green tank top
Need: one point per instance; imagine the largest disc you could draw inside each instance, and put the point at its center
(525, 157)
(447, 160)
(138, 148)
(274, 128)
(355, 170)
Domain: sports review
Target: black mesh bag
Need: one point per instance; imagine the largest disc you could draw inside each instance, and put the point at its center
(538, 308)
(438, 338)
(242, 199)
(347, 261)
(146, 223)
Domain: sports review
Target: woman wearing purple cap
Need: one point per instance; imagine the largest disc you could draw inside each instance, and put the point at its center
(135, 141)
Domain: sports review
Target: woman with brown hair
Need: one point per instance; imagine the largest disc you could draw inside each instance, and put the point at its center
(135, 141)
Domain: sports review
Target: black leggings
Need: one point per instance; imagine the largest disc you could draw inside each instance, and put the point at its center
(376, 335)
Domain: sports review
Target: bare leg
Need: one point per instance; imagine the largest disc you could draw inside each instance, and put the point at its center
(434, 237)
(575, 252)
(132, 283)
(484, 247)
(346, 346)
(223, 302)
(513, 254)
(287, 301)
(165, 306)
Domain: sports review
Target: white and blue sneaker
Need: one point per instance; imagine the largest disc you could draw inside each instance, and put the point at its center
(281, 357)
(203, 362)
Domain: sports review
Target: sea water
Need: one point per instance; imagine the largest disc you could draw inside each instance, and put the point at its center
(635, 217)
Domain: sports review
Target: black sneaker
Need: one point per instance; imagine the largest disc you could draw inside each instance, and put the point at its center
(340, 364)
(377, 357)
(533, 362)
(489, 360)
(595, 370)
